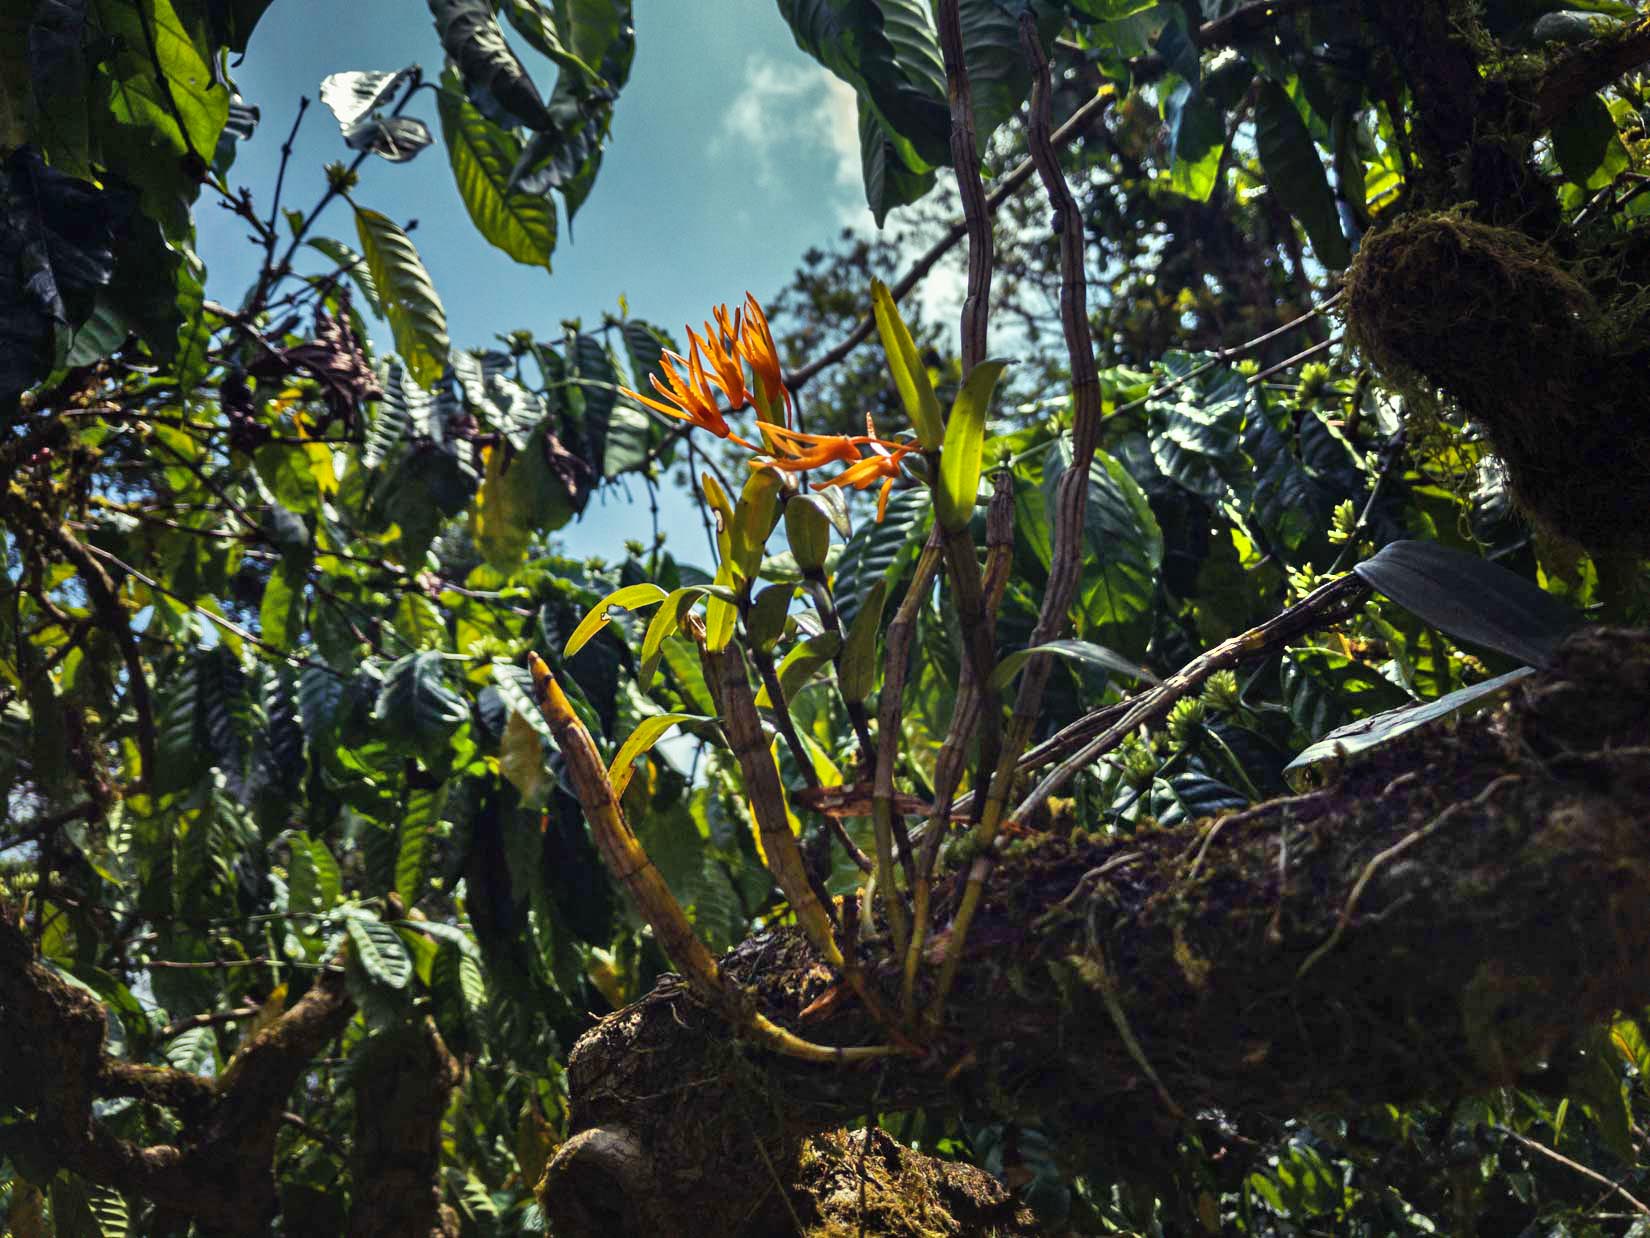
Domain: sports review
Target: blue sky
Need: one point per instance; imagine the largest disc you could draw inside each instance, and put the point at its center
(731, 153)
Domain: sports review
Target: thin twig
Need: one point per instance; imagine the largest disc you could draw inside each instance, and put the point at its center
(1613, 1187)
(1327, 604)
(1386, 857)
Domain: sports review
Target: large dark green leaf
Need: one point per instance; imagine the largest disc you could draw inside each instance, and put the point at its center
(159, 75)
(857, 42)
(381, 953)
(1471, 598)
(1123, 545)
(417, 319)
(890, 180)
(1197, 430)
(472, 37)
(57, 237)
(1296, 175)
(482, 155)
(1587, 146)
(415, 839)
(1197, 138)
(416, 702)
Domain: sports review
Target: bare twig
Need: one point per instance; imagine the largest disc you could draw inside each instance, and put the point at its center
(1614, 1188)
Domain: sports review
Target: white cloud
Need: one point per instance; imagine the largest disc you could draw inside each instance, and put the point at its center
(777, 116)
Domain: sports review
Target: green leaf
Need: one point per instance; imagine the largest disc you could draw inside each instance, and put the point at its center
(1383, 728)
(905, 363)
(1111, 10)
(417, 319)
(893, 174)
(962, 454)
(1587, 146)
(192, 1051)
(1077, 651)
(416, 704)
(415, 838)
(381, 953)
(631, 597)
(280, 613)
(1197, 139)
(1472, 599)
(647, 733)
(876, 550)
(857, 668)
(754, 519)
(313, 879)
(1123, 545)
(889, 53)
(482, 154)
(801, 664)
(1296, 175)
(154, 89)
(471, 36)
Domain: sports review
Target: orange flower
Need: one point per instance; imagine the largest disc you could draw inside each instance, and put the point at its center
(884, 466)
(795, 452)
(757, 346)
(691, 399)
(722, 351)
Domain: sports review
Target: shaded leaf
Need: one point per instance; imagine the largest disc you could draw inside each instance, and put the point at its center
(1471, 598)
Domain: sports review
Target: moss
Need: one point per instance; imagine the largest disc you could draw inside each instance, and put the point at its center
(1546, 353)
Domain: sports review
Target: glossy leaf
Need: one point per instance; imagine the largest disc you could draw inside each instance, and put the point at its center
(378, 949)
(961, 457)
(417, 319)
(1295, 173)
(472, 37)
(482, 154)
(1074, 650)
(630, 598)
(905, 363)
(1471, 598)
(1587, 145)
(647, 733)
(1383, 728)
(857, 668)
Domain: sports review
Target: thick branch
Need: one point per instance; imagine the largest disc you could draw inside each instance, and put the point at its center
(53, 1067)
(1589, 68)
(1447, 912)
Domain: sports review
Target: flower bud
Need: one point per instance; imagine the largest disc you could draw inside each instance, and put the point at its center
(808, 530)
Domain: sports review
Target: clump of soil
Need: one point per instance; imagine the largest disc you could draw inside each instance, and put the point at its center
(1547, 355)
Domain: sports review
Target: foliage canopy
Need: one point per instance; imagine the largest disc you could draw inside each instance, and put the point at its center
(303, 904)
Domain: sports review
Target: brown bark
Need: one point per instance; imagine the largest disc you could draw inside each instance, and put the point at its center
(52, 1069)
(403, 1080)
(1448, 912)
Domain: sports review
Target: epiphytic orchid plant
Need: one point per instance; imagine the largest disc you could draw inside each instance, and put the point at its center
(741, 628)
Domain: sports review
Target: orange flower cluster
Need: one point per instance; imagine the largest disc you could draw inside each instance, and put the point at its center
(717, 359)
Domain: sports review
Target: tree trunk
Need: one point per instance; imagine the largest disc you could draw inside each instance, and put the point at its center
(1449, 911)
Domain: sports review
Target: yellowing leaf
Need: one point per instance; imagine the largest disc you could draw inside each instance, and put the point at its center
(631, 597)
(521, 760)
(649, 732)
